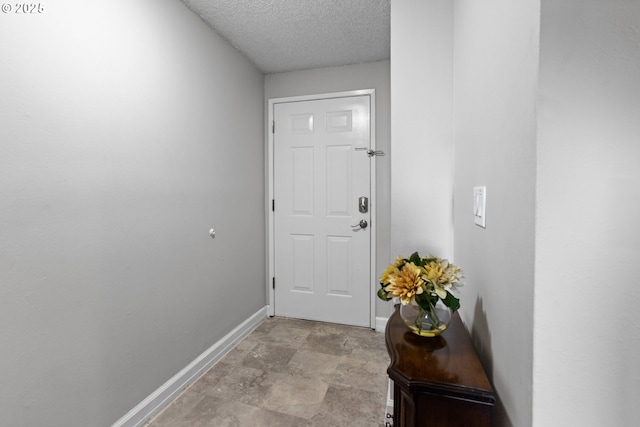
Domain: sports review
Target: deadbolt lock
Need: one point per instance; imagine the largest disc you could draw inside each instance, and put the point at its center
(363, 204)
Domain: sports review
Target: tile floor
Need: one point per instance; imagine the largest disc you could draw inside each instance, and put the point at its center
(290, 372)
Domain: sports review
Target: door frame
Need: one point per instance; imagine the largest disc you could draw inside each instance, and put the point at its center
(270, 191)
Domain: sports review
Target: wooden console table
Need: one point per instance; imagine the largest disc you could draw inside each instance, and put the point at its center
(437, 381)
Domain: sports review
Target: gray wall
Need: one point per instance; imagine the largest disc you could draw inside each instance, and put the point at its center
(587, 334)
(128, 129)
(422, 141)
(495, 79)
(373, 75)
(546, 101)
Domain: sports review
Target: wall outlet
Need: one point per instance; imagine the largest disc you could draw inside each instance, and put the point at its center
(479, 206)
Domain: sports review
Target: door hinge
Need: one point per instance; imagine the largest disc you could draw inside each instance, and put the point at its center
(273, 126)
(273, 282)
(273, 205)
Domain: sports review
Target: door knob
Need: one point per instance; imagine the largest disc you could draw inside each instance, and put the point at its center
(362, 224)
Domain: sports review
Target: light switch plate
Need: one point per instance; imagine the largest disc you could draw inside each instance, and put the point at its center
(479, 206)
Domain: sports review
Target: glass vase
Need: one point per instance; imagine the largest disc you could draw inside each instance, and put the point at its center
(429, 322)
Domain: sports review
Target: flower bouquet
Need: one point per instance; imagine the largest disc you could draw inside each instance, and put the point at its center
(424, 287)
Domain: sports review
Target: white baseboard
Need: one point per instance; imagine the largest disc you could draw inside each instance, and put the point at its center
(164, 395)
(381, 323)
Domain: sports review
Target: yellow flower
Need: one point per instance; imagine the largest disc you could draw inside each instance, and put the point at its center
(452, 276)
(389, 271)
(442, 275)
(405, 283)
(433, 273)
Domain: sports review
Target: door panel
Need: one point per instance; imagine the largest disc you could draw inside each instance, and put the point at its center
(322, 262)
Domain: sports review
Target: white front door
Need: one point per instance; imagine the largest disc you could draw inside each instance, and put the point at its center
(321, 178)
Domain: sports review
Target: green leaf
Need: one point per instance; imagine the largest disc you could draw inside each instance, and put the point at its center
(452, 302)
(433, 299)
(415, 258)
(383, 295)
(422, 298)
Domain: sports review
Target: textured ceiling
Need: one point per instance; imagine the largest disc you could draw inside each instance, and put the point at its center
(287, 35)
